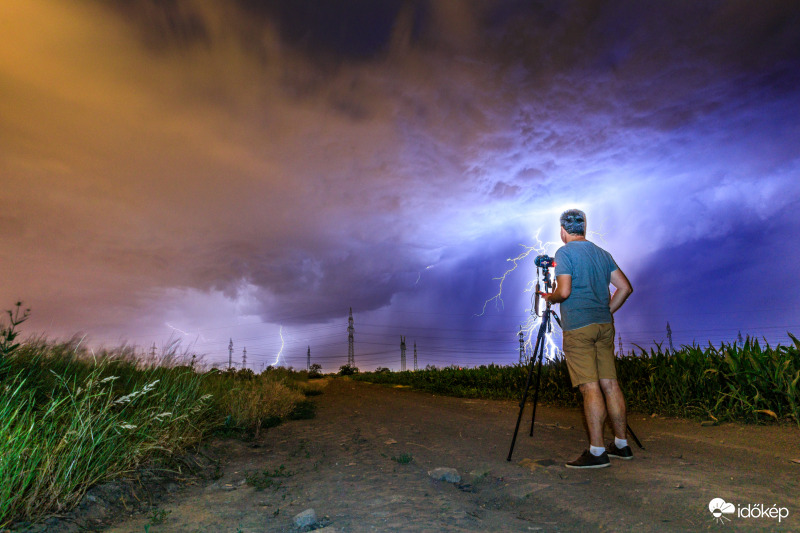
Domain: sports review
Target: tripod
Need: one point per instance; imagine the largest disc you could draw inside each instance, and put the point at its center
(536, 360)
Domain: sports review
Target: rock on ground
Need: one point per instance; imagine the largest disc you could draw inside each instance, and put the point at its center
(450, 475)
(306, 518)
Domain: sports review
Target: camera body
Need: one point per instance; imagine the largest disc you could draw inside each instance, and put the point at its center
(544, 261)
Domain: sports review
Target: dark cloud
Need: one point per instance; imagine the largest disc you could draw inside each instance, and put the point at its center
(741, 278)
(279, 162)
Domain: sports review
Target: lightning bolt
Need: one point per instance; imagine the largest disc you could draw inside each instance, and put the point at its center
(199, 335)
(531, 327)
(176, 329)
(278, 357)
(419, 274)
(601, 236)
(498, 298)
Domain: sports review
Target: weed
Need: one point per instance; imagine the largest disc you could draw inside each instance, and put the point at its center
(403, 458)
(259, 481)
(158, 516)
(9, 334)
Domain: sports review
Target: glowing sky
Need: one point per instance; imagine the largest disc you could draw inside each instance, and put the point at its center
(216, 170)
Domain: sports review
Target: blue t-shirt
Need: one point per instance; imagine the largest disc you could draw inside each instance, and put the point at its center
(590, 267)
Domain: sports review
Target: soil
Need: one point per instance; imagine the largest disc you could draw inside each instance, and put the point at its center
(362, 464)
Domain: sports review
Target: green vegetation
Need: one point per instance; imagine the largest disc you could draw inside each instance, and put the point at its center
(158, 516)
(744, 382)
(348, 370)
(71, 418)
(315, 371)
(403, 458)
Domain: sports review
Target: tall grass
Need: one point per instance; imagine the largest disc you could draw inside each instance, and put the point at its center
(747, 382)
(70, 418)
(249, 401)
(68, 423)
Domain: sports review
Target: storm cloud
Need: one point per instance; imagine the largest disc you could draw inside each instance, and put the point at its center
(208, 166)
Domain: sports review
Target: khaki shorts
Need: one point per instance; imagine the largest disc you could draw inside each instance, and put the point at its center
(589, 352)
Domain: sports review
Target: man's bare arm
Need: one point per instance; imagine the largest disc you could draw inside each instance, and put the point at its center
(562, 289)
(623, 290)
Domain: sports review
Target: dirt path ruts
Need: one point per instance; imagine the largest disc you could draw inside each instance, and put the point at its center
(341, 464)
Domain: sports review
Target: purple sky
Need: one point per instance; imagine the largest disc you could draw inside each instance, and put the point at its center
(250, 170)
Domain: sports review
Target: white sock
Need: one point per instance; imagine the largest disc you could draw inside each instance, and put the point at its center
(597, 451)
(620, 443)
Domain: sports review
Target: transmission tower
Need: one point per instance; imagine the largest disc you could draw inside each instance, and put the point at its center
(521, 346)
(230, 353)
(351, 354)
(620, 345)
(308, 360)
(669, 336)
(244, 357)
(402, 354)
(415, 356)
(739, 338)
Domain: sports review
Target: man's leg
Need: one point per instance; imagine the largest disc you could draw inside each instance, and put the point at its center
(594, 408)
(615, 402)
(579, 350)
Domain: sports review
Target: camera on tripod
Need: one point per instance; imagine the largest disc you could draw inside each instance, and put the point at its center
(545, 262)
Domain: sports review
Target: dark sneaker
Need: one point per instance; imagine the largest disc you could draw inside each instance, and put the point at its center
(587, 460)
(620, 453)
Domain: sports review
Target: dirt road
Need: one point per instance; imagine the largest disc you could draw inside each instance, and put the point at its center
(349, 465)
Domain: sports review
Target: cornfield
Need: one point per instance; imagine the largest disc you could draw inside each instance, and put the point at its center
(746, 382)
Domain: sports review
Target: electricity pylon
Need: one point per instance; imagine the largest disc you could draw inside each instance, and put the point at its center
(351, 354)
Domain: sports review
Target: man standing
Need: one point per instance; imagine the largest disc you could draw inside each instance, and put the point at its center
(583, 273)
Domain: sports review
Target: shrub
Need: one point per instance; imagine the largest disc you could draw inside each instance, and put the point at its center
(315, 371)
(348, 370)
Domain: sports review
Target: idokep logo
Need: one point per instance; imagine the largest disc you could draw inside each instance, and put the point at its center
(719, 508)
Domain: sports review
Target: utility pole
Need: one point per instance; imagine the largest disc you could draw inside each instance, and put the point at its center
(244, 357)
(402, 354)
(521, 346)
(415, 356)
(620, 345)
(669, 336)
(308, 360)
(230, 353)
(351, 354)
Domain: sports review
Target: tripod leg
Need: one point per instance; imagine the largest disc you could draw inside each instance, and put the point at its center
(522, 403)
(540, 345)
(633, 435)
(536, 389)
